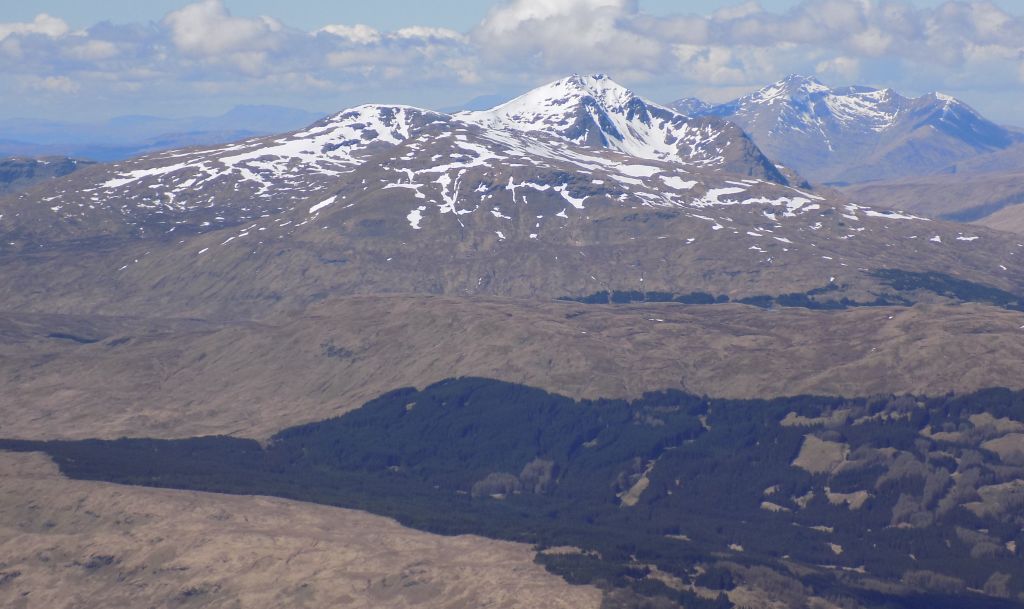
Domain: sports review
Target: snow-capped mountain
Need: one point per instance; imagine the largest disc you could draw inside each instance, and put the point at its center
(851, 134)
(598, 112)
(200, 189)
(393, 198)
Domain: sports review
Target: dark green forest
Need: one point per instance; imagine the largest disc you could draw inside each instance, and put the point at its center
(904, 285)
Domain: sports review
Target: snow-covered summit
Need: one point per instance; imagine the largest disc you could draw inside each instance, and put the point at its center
(596, 111)
(536, 108)
(836, 133)
(803, 103)
(792, 86)
(329, 146)
(592, 110)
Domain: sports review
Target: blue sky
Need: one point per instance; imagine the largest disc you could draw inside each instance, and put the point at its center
(383, 14)
(89, 60)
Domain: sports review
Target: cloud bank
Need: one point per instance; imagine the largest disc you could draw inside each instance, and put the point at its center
(204, 50)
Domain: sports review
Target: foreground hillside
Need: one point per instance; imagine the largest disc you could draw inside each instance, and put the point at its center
(80, 377)
(118, 546)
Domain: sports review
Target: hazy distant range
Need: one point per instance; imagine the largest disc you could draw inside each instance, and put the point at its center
(128, 136)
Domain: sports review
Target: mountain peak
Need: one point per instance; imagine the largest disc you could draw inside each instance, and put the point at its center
(590, 83)
(584, 78)
(794, 85)
(947, 101)
(594, 110)
(570, 91)
(801, 80)
(587, 109)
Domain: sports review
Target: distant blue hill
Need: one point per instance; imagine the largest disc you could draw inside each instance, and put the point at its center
(127, 136)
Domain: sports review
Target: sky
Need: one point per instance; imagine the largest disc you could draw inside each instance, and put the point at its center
(87, 61)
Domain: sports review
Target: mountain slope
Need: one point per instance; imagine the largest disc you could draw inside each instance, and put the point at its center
(855, 134)
(204, 188)
(970, 197)
(1007, 219)
(987, 190)
(77, 376)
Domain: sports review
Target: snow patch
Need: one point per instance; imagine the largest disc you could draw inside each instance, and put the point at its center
(415, 217)
(678, 183)
(575, 202)
(321, 205)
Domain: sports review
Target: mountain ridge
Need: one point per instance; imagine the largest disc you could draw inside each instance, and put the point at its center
(858, 133)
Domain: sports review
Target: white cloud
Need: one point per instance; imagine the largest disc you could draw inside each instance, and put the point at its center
(713, 65)
(92, 50)
(739, 11)
(43, 24)
(202, 47)
(872, 41)
(567, 35)
(359, 33)
(50, 84)
(436, 33)
(988, 20)
(846, 69)
(206, 28)
(511, 15)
